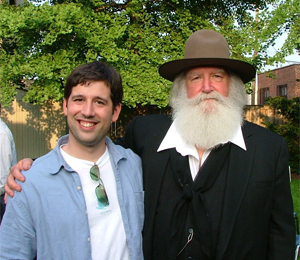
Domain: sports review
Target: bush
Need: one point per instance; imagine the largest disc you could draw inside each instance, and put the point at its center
(290, 129)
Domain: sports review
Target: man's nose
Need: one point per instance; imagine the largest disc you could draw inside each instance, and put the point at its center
(207, 85)
(88, 109)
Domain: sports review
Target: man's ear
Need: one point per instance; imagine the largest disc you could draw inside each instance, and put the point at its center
(116, 112)
(65, 107)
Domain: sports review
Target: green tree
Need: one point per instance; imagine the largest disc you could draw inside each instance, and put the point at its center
(282, 17)
(41, 44)
(290, 129)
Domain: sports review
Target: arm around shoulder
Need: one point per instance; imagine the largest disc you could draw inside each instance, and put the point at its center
(15, 173)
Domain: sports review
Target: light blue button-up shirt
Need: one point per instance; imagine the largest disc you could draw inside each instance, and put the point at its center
(48, 217)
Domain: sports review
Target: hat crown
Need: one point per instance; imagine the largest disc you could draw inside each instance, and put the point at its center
(207, 48)
(206, 44)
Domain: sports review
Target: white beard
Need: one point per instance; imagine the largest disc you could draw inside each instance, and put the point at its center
(208, 123)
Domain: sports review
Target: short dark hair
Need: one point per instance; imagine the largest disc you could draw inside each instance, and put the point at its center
(96, 71)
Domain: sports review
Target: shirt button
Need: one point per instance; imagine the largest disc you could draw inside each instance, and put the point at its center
(89, 239)
(78, 187)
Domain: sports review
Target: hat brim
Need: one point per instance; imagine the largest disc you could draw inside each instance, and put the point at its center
(171, 69)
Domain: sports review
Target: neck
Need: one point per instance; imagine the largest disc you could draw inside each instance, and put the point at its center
(88, 153)
(200, 153)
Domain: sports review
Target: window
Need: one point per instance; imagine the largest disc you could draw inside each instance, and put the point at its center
(282, 90)
(264, 94)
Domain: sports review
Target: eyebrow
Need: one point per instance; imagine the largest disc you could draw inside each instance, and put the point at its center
(82, 96)
(220, 70)
(216, 71)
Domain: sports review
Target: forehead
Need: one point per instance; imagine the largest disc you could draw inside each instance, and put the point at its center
(206, 70)
(91, 88)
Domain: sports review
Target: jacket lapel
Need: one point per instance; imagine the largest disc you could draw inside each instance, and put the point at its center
(239, 171)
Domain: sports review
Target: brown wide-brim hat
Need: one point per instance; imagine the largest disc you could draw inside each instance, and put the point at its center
(207, 48)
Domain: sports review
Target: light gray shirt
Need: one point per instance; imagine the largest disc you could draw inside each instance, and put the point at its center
(8, 156)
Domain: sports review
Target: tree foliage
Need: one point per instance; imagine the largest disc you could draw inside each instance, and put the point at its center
(41, 43)
(282, 17)
(290, 129)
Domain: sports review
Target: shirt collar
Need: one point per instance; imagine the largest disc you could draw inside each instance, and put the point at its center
(173, 139)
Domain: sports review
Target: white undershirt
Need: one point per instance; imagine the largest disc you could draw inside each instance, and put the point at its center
(108, 238)
(173, 139)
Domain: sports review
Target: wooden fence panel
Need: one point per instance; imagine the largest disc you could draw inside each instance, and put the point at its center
(36, 128)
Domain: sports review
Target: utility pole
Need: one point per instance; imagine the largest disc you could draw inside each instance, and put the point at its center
(254, 98)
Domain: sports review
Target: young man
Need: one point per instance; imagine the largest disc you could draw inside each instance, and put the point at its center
(216, 187)
(84, 199)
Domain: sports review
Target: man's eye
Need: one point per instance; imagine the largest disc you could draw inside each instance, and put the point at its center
(99, 102)
(218, 77)
(195, 78)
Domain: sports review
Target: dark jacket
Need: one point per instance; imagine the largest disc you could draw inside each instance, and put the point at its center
(257, 221)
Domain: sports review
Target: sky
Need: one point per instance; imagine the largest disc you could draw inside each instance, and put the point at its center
(291, 59)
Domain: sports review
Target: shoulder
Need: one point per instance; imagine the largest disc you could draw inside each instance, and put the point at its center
(36, 179)
(118, 152)
(142, 131)
(4, 130)
(257, 130)
(154, 119)
(41, 168)
(263, 137)
(2, 125)
(145, 125)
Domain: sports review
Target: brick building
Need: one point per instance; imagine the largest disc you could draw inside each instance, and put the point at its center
(283, 82)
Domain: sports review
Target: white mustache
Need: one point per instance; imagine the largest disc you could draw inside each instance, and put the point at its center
(203, 96)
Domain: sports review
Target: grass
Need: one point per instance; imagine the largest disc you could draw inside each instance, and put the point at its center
(295, 187)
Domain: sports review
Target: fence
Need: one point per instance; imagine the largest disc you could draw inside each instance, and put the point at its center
(36, 128)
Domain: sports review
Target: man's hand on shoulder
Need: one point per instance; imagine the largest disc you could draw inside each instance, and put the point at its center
(15, 173)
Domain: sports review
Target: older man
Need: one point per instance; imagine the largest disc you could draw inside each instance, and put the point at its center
(216, 186)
